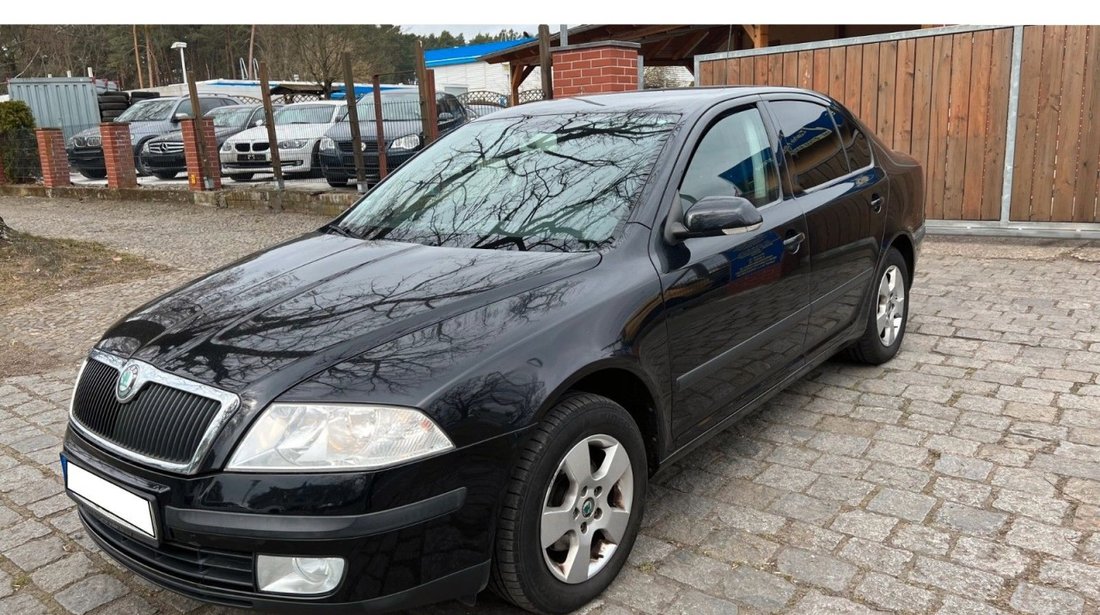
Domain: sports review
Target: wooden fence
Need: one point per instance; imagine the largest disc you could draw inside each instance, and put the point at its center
(945, 96)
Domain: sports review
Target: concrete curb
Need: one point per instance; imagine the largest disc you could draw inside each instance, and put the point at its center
(325, 203)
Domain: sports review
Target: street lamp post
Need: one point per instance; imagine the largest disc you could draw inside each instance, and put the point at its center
(183, 61)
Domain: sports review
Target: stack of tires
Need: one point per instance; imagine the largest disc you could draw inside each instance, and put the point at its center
(112, 104)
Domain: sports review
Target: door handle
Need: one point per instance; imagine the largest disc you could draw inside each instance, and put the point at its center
(876, 203)
(793, 242)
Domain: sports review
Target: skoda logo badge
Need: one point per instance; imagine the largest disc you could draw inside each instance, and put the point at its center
(127, 384)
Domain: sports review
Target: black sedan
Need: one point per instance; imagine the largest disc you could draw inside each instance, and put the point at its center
(163, 156)
(469, 377)
(402, 134)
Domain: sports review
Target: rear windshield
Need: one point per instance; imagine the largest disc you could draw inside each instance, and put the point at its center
(148, 111)
(550, 183)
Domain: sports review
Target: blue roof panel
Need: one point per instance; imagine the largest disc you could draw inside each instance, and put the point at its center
(467, 55)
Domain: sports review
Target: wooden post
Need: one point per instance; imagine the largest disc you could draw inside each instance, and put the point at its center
(433, 112)
(353, 122)
(546, 62)
(379, 127)
(200, 134)
(422, 85)
(269, 121)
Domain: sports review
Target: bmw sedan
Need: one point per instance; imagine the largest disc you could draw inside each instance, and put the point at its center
(468, 379)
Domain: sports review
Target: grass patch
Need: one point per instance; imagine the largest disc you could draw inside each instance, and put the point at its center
(34, 267)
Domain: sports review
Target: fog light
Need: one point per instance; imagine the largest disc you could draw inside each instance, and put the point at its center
(298, 575)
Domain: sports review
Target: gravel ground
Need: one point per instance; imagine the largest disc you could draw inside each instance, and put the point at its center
(962, 477)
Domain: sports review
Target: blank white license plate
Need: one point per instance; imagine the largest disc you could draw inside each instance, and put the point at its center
(124, 507)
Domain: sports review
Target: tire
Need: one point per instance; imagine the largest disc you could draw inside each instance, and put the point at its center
(114, 97)
(109, 116)
(136, 96)
(113, 106)
(337, 183)
(878, 345)
(93, 173)
(165, 174)
(536, 578)
(241, 177)
(315, 161)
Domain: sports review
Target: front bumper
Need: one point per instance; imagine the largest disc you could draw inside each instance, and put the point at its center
(340, 165)
(164, 162)
(291, 161)
(410, 535)
(87, 159)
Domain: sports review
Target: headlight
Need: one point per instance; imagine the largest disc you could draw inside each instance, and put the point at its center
(227, 147)
(327, 144)
(289, 437)
(293, 143)
(76, 142)
(406, 143)
(93, 141)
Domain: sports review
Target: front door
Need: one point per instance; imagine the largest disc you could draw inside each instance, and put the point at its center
(843, 196)
(736, 304)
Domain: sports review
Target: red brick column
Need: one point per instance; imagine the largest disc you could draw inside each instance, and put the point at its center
(593, 68)
(51, 154)
(210, 167)
(118, 155)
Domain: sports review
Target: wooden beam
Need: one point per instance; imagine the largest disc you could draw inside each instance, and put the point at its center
(546, 62)
(519, 74)
(758, 34)
(689, 45)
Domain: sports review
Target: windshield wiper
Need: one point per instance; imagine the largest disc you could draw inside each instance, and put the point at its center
(503, 241)
(339, 230)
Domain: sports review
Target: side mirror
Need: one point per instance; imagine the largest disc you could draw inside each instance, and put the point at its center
(179, 116)
(446, 116)
(715, 215)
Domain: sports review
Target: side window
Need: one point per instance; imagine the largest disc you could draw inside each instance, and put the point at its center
(206, 104)
(810, 139)
(855, 142)
(734, 158)
(184, 108)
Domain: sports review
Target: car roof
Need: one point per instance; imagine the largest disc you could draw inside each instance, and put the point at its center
(324, 103)
(673, 100)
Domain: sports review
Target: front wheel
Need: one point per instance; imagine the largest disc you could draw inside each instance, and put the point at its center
(165, 174)
(572, 507)
(888, 315)
(240, 177)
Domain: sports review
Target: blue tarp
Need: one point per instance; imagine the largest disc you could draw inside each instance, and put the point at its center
(466, 55)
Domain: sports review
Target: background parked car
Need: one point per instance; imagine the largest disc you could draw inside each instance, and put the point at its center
(298, 128)
(163, 156)
(148, 119)
(402, 128)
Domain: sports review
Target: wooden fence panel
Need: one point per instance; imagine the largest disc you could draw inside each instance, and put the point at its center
(943, 98)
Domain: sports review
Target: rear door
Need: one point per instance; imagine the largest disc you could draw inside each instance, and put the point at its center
(736, 304)
(843, 197)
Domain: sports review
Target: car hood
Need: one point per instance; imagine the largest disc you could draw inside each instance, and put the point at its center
(177, 136)
(288, 131)
(341, 131)
(271, 320)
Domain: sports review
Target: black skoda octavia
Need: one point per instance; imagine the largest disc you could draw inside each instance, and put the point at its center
(469, 377)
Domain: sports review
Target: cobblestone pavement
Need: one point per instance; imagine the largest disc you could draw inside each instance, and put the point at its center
(962, 477)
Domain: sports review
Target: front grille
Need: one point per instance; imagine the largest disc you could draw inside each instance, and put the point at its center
(225, 569)
(159, 422)
(261, 146)
(242, 147)
(166, 148)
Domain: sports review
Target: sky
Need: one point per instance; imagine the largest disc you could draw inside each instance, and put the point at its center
(471, 30)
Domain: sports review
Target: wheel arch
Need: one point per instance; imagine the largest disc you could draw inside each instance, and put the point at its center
(904, 244)
(625, 383)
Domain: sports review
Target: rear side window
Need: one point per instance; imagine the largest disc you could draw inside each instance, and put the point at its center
(855, 142)
(734, 158)
(810, 139)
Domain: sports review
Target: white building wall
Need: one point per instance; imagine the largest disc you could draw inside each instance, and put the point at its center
(480, 76)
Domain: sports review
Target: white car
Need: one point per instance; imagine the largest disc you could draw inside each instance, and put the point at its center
(298, 128)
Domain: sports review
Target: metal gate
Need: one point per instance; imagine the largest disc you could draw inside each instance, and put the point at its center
(1001, 118)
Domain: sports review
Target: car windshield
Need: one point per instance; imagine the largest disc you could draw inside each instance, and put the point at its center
(549, 183)
(395, 108)
(305, 114)
(230, 117)
(148, 111)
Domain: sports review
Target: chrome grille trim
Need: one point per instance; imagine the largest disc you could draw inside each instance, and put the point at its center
(229, 402)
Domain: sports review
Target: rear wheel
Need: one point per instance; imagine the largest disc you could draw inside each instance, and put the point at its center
(93, 173)
(572, 507)
(888, 315)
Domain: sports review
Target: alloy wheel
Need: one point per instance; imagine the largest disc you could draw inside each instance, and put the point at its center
(891, 305)
(587, 508)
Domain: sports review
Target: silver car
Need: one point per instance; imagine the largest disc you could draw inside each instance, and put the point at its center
(298, 129)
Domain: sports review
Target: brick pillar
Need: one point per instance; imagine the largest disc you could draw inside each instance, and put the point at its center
(593, 68)
(211, 167)
(51, 154)
(118, 155)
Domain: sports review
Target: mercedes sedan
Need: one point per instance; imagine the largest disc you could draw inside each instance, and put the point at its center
(469, 378)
